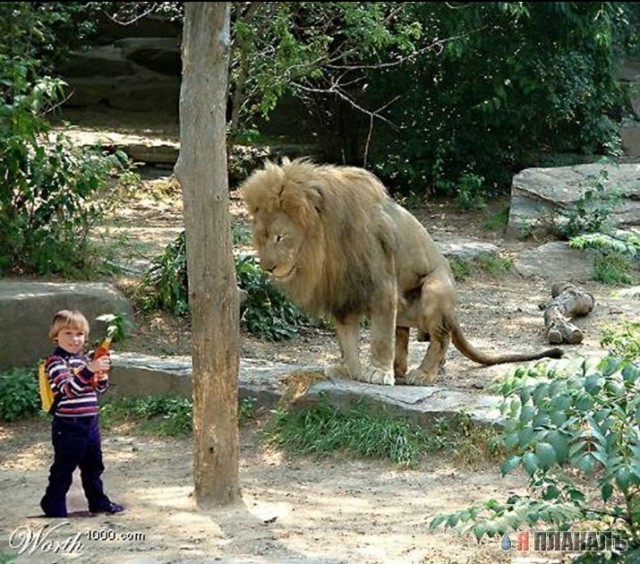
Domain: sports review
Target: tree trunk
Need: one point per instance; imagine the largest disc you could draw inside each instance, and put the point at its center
(213, 298)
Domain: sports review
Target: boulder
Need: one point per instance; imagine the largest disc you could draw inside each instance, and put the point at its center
(28, 307)
(538, 195)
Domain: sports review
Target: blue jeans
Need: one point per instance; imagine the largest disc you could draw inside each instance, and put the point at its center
(76, 443)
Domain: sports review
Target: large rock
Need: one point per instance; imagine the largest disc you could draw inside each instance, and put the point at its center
(265, 383)
(28, 307)
(539, 194)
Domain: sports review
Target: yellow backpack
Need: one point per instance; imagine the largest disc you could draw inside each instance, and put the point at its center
(47, 397)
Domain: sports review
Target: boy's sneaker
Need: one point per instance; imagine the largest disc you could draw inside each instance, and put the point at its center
(110, 508)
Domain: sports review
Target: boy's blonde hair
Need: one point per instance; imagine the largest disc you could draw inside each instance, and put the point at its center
(68, 318)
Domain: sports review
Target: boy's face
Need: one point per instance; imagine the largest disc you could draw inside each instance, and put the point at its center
(71, 340)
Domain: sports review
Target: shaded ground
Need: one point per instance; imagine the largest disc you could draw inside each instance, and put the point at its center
(341, 509)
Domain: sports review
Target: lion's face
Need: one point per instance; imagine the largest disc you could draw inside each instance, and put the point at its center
(278, 240)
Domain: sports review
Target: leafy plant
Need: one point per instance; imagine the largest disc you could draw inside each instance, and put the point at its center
(617, 259)
(471, 192)
(545, 83)
(165, 285)
(267, 313)
(565, 430)
(246, 410)
(52, 193)
(613, 269)
(592, 211)
(19, 394)
(623, 340)
(495, 266)
(118, 325)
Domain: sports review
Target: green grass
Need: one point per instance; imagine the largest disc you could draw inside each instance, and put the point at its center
(613, 269)
(160, 415)
(495, 266)
(323, 429)
(498, 220)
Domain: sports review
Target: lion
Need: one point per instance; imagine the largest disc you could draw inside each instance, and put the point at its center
(334, 242)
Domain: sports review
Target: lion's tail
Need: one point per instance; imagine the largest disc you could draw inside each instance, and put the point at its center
(468, 350)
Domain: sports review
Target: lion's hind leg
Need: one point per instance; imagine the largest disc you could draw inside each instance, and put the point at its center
(436, 301)
(427, 372)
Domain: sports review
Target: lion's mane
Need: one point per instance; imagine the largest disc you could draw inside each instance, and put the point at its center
(348, 238)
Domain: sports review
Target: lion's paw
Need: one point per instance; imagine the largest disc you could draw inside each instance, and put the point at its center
(337, 372)
(375, 375)
(417, 377)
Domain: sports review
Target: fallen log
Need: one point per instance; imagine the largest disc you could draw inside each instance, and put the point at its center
(568, 302)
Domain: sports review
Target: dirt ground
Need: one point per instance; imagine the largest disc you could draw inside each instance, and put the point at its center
(337, 510)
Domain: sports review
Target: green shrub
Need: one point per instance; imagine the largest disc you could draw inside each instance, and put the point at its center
(52, 193)
(19, 394)
(570, 433)
(165, 285)
(623, 340)
(592, 212)
(266, 313)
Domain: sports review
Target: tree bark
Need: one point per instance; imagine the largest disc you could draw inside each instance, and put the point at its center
(213, 298)
(569, 301)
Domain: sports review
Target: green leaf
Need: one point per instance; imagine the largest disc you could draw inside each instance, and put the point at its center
(530, 463)
(586, 463)
(479, 531)
(527, 413)
(509, 465)
(546, 455)
(510, 441)
(551, 492)
(560, 445)
(540, 391)
(623, 478)
(630, 373)
(609, 365)
(437, 521)
(593, 383)
(525, 436)
(606, 491)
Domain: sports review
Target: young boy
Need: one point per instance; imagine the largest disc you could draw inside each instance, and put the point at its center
(75, 433)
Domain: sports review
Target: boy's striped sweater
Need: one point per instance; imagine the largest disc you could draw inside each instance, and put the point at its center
(74, 383)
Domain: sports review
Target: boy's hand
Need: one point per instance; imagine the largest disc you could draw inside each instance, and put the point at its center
(102, 364)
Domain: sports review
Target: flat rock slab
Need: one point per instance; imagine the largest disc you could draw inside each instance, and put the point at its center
(28, 307)
(556, 261)
(421, 404)
(135, 375)
(468, 250)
